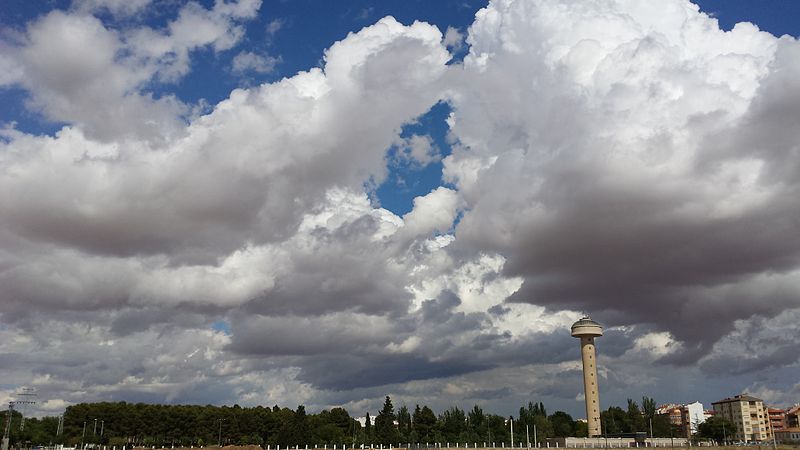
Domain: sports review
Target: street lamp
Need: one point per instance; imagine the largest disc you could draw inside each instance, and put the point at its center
(511, 421)
(528, 436)
(724, 435)
(220, 432)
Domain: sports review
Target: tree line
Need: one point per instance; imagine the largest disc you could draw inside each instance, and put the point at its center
(139, 424)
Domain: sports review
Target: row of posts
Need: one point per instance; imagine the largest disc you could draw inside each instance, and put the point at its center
(466, 445)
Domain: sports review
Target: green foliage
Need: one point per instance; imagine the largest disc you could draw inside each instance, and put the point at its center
(194, 425)
(385, 431)
(453, 422)
(404, 423)
(368, 435)
(563, 425)
(636, 420)
(648, 407)
(716, 428)
(581, 429)
(424, 420)
(614, 421)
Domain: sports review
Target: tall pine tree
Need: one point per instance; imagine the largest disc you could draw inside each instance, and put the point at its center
(385, 431)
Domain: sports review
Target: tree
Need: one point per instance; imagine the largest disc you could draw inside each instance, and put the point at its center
(404, 423)
(717, 428)
(563, 424)
(367, 430)
(635, 417)
(453, 423)
(534, 416)
(581, 429)
(648, 408)
(385, 431)
(477, 421)
(424, 420)
(294, 429)
(614, 421)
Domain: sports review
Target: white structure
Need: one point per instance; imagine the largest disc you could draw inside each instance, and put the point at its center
(363, 421)
(696, 415)
(587, 329)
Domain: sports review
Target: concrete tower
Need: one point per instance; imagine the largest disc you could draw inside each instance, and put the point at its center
(587, 329)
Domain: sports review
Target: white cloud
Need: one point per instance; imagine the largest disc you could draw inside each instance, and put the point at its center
(435, 212)
(275, 25)
(245, 62)
(454, 39)
(118, 8)
(588, 157)
(638, 164)
(99, 91)
(417, 149)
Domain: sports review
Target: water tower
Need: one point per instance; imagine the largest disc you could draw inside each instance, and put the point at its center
(587, 329)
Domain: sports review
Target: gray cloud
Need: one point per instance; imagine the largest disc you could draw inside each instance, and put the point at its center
(642, 190)
(640, 165)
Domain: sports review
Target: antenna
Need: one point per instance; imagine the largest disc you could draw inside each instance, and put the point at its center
(25, 397)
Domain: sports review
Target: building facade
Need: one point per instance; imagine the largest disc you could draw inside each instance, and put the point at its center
(788, 436)
(777, 419)
(793, 417)
(684, 419)
(749, 416)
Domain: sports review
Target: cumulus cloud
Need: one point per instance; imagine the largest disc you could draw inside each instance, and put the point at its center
(621, 164)
(101, 91)
(417, 149)
(640, 164)
(454, 39)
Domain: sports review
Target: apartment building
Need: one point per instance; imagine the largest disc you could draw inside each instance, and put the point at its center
(777, 419)
(793, 417)
(748, 414)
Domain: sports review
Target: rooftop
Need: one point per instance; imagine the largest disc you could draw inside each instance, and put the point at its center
(586, 327)
(738, 398)
(585, 321)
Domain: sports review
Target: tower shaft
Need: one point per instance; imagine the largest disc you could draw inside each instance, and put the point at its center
(590, 388)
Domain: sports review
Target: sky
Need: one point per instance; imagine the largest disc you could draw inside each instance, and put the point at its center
(322, 203)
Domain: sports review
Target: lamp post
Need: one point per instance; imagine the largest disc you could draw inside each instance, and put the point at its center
(511, 421)
(83, 435)
(527, 436)
(724, 435)
(219, 437)
(772, 430)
